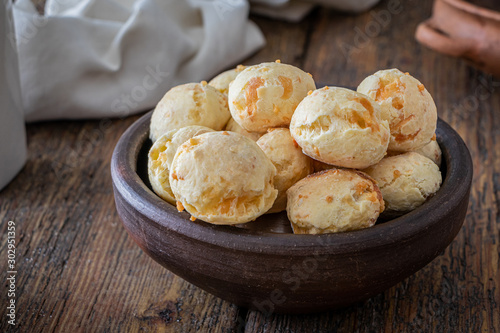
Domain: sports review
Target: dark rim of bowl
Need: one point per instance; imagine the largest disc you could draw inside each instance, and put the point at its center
(457, 165)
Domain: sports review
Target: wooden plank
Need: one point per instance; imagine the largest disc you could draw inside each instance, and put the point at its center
(79, 270)
(458, 291)
(284, 41)
(77, 267)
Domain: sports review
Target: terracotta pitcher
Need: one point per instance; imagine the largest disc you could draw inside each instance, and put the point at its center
(461, 29)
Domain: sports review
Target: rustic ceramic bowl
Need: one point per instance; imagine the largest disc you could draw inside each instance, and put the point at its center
(265, 267)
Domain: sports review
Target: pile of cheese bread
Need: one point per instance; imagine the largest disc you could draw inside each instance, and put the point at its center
(262, 139)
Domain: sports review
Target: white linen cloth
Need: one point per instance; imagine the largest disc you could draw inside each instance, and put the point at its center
(113, 58)
(110, 58)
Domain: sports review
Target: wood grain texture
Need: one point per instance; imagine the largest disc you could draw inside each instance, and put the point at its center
(79, 270)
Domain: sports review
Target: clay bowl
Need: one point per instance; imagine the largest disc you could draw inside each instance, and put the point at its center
(268, 268)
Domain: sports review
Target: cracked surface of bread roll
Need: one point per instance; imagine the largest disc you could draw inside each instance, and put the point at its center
(340, 127)
(265, 95)
(406, 180)
(222, 178)
(221, 82)
(189, 104)
(334, 200)
(406, 105)
(291, 164)
(432, 151)
(162, 154)
(233, 126)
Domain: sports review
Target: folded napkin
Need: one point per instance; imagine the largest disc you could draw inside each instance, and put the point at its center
(113, 58)
(110, 58)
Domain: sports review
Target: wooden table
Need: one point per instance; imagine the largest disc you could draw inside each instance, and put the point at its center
(78, 270)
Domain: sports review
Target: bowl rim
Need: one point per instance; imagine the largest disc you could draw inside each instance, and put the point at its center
(127, 182)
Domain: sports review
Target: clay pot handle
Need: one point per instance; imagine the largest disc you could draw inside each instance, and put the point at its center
(435, 39)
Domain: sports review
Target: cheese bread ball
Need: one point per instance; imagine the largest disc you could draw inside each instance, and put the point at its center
(406, 180)
(221, 82)
(340, 127)
(162, 154)
(189, 104)
(291, 164)
(406, 105)
(235, 127)
(222, 178)
(266, 95)
(333, 201)
(432, 151)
